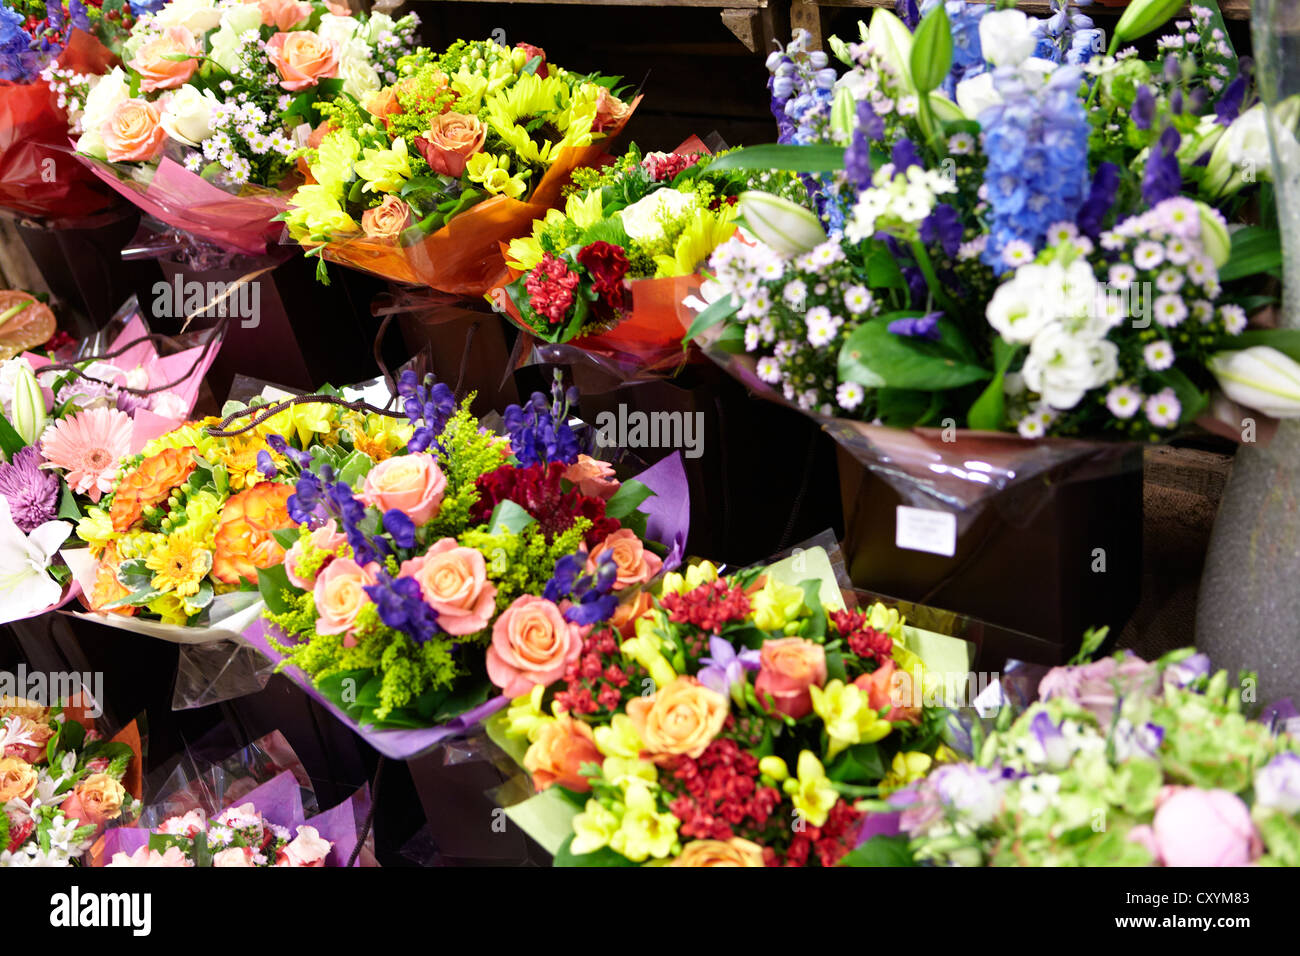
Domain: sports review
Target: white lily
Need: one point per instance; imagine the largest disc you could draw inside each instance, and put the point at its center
(1260, 377)
(25, 584)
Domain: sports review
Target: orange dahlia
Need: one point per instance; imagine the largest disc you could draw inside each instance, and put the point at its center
(244, 542)
(149, 485)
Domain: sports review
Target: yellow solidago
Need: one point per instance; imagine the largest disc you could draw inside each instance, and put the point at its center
(811, 792)
(384, 170)
(847, 714)
(697, 242)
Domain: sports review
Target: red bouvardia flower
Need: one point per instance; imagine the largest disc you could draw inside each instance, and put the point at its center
(661, 166)
(550, 288)
(594, 683)
(607, 264)
(537, 489)
(863, 640)
(830, 842)
(718, 796)
(708, 607)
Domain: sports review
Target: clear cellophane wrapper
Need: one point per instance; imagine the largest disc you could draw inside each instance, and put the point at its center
(39, 176)
(464, 256)
(266, 773)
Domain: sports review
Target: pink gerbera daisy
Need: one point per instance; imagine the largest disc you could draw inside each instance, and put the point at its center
(89, 446)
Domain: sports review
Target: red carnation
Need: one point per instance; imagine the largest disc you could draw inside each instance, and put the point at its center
(607, 264)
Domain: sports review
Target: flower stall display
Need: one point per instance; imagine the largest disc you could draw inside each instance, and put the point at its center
(66, 427)
(1119, 763)
(610, 272)
(42, 45)
(417, 587)
(201, 124)
(727, 721)
(420, 181)
(61, 782)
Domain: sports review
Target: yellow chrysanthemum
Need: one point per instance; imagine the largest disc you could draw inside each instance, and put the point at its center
(384, 170)
(179, 565)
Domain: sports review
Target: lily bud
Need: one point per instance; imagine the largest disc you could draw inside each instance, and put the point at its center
(893, 41)
(843, 110)
(1143, 16)
(788, 228)
(1260, 377)
(1214, 234)
(28, 416)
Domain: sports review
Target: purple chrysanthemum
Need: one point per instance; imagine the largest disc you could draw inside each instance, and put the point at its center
(33, 494)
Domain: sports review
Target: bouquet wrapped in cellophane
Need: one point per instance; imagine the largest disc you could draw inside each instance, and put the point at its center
(424, 181)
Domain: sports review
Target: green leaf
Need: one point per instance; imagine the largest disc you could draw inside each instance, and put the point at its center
(627, 499)
(68, 507)
(1254, 250)
(285, 537)
(931, 51)
(602, 857)
(716, 312)
(783, 156)
(272, 582)
(880, 850)
(355, 467)
(904, 407)
(1286, 341)
(508, 516)
(873, 356)
(10, 441)
(883, 271)
(990, 408)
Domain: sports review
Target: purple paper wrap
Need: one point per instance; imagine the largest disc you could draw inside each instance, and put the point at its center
(668, 511)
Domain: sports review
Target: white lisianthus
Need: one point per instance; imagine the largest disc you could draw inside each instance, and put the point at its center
(1018, 309)
(225, 46)
(197, 16)
(242, 17)
(1007, 37)
(339, 29)
(378, 25)
(644, 219)
(1062, 365)
(187, 115)
(356, 71)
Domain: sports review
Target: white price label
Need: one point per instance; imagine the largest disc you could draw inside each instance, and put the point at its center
(920, 529)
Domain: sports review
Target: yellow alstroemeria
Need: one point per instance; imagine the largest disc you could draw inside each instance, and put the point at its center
(586, 210)
(645, 650)
(811, 792)
(524, 716)
(776, 604)
(202, 511)
(697, 242)
(335, 157)
(706, 572)
(847, 714)
(593, 828)
(905, 768)
(384, 170)
(96, 529)
(619, 738)
(170, 608)
(644, 832)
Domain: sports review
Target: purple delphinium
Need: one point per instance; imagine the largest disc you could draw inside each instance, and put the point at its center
(402, 607)
(1144, 108)
(1163, 178)
(1105, 184)
(1228, 106)
(33, 493)
(539, 430)
(918, 327)
(591, 596)
(943, 226)
(427, 406)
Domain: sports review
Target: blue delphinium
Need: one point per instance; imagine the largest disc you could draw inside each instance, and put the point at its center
(967, 54)
(539, 429)
(14, 43)
(402, 607)
(1036, 141)
(592, 595)
(428, 406)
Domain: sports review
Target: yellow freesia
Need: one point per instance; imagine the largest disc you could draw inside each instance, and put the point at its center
(644, 832)
(201, 513)
(586, 210)
(593, 828)
(774, 767)
(812, 793)
(776, 604)
(524, 716)
(619, 738)
(847, 714)
(493, 174)
(906, 768)
(644, 649)
(96, 529)
(170, 608)
(621, 771)
(384, 170)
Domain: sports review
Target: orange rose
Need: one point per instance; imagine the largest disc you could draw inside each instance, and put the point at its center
(108, 589)
(562, 746)
(96, 800)
(36, 733)
(149, 485)
(883, 691)
(244, 542)
(413, 484)
(157, 72)
(532, 644)
(681, 718)
(133, 133)
(595, 479)
(283, 14)
(303, 58)
(387, 220)
(611, 112)
(625, 615)
(17, 779)
(733, 852)
(789, 667)
(452, 139)
(635, 564)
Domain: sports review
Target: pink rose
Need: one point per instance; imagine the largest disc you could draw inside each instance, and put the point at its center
(595, 479)
(788, 667)
(324, 538)
(1194, 827)
(454, 582)
(532, 644)
(283, 14)
(303, 58)
(634, 563)
(133, 132)
(340, 596)
(413, 484)
(308, 848)
(144, 856)
(157, 72)
(452, 138)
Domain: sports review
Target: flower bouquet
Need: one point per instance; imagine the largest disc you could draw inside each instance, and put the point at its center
(1119, 763)
(459, 567)
(423, 182)
(42, 45)
(611, 271)
(201, 126)
(61, 782)
(729, 721)
(65, 429)
(174, 546)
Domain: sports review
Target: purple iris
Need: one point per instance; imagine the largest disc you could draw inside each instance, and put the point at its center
(726, 668)
(918, 327)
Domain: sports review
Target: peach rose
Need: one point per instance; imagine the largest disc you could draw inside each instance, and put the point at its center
(452, 139)
(413, 484)
(283, 14)
(532, 644)
(883, 690)
(157, 72)
(303, 58)
(133, 133)
(611, 112)
(733, 852)
(635, 564)
(338, 9)
(681, 718)
(788, 667)
(96, 800)
(325, 538)
(233, 856)
(387, 220)
(340, 596)
(625, 615)
(34, 734)
(17, 779)
(562, 746)
(595, 479)
(453, 580)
